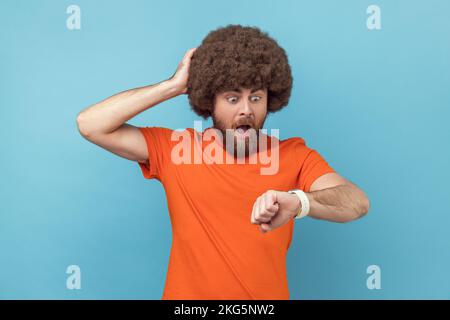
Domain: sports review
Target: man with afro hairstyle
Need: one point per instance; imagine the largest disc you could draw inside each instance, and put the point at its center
(231, 225)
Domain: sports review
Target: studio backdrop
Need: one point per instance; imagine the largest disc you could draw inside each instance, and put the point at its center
(371, 91)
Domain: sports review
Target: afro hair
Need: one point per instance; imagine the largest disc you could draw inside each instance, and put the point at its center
(236, 56)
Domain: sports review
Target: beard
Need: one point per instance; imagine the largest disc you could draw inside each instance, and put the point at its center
(250, 146)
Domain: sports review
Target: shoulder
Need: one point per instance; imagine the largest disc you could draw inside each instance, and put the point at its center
(164, 132)
(156, 135)
(296, 146)
(294, 143)
(157, 129)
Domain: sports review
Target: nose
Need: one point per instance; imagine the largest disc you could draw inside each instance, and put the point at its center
(246, 109)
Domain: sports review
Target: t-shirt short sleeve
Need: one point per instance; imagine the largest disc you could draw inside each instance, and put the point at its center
(158, 147)
(312, 168)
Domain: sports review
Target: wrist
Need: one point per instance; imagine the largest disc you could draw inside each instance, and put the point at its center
(297, 205)
(302, 205)
(172, 88)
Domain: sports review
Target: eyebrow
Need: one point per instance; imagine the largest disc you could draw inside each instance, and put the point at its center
(240, 91)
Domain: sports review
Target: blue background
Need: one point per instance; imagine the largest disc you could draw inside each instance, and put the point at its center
(374, 103)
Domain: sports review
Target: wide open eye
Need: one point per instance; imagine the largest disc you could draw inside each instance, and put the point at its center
(232, 99)
(257, 98)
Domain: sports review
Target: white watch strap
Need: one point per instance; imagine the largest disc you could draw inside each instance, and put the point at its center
(304, 201)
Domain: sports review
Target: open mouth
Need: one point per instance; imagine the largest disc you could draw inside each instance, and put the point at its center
(243, 128)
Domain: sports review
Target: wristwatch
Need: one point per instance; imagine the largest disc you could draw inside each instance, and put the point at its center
(304, 203)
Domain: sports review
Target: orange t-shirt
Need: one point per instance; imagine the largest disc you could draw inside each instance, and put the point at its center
(217, 253)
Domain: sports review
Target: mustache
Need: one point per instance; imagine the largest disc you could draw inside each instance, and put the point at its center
(245, 122)
(218, 123)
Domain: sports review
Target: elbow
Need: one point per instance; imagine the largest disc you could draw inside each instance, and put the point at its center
(365, 206)
(81, 125)
(358, 211)
(362, 209)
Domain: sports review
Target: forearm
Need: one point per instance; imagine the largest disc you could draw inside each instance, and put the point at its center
(342, 203)
(109, 114)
